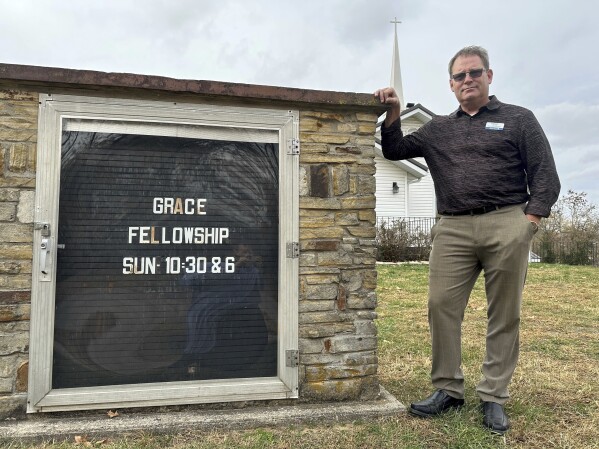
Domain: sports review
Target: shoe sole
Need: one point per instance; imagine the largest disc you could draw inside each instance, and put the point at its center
(432, 415)
(495, 431)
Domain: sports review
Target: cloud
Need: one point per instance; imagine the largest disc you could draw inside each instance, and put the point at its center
(541, 52)
(573, 131)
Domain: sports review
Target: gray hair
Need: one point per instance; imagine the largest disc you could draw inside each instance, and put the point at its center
(472, 50)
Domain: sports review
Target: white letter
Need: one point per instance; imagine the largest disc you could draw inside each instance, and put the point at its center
(188, 234)
(127, 264)
(157, 206)
(189, 206)
(177, 235)
(224, 233)
(144, 234)
(201, 206)
(131, 234)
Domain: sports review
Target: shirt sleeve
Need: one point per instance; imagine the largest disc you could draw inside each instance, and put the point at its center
(543, 181)
(396, 146)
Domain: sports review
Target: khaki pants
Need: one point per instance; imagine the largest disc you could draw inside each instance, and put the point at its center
(497, 242)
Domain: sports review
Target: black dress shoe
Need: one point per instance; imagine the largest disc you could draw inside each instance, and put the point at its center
(494, 417)
(435, 404)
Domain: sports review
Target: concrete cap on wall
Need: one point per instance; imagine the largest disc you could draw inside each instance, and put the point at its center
(48, 77)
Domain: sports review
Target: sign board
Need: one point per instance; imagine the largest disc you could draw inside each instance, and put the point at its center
(165, 259)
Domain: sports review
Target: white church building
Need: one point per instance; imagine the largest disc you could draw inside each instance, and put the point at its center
(404, 189)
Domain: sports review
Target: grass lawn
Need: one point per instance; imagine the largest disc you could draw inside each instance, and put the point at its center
(555, 389)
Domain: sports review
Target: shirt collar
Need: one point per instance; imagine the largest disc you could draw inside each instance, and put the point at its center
(493, 104)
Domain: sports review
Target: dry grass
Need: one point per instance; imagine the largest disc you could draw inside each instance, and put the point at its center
(555, 390)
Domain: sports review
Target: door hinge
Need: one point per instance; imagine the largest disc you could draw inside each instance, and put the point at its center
(293, 250)
(293, 147)
(292, 358)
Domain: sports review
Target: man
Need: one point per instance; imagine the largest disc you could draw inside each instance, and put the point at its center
(495, 179)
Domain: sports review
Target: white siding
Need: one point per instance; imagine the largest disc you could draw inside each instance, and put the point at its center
(421, 197)
(410, 124)
(415, 198)
(389, 204)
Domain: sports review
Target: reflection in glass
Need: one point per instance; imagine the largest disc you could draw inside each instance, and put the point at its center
(148, 293)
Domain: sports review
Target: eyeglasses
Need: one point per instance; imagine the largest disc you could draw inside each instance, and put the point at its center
(459, 77)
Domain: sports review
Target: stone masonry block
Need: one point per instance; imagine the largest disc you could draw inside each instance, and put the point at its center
(362, 302)
(333, 232)
(321, 359)
(13, 406)
(317, 222)
(328, 159)
(340, 180)
(322, 116)
(363, 388)
(330, 372)
(14, 96)
(304, 189)
(308, 259)
(16, 233)
(319, 245)
(337, 139)
(360, 358)
(319, 125)
(346, 219)
(14, 343)
(9, 267)
(320, 181)
(315, 306)
(352, 343)
(13, 312)
(362, 231)
(341, 300)
(19, 251)
(366, 328)
(363, 169)
(15, 281)
(311, 346)
(320, 203)
(324, 278)
(11, 195)
(334, 259)
(26, 206)
(8, 211)
(352, 279)
(349, 150)
(19, 154)
(22, 377)
(358, 202)
(322, 317)
(8, 365)
(316, 331)
(365, 117)
(6, 385)
(363, 185)
(321, 291)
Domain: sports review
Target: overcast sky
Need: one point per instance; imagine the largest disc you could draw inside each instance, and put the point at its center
(543, 52)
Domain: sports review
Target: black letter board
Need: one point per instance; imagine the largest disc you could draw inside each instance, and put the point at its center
(169, 269)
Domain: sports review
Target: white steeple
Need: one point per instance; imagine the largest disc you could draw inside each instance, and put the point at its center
(396, 70)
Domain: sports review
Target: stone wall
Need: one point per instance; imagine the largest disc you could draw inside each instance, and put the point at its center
(337, 256)
(338, 358)
(18, 136)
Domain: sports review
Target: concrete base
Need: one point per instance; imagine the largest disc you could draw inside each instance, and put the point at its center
(60, 428)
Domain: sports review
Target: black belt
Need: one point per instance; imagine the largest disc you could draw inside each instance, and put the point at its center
(476, 211)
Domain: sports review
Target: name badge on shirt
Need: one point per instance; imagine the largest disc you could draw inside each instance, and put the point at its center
(494, 126)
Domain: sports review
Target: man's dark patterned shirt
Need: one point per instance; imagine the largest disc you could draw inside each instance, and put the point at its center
(499, 156)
